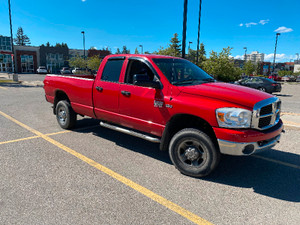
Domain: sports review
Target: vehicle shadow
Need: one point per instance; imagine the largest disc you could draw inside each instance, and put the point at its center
(263, 176)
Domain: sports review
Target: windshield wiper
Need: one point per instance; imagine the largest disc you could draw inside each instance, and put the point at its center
(186, 81)
(209, 80)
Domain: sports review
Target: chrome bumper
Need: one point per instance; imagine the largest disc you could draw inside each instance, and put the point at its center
(237, 148)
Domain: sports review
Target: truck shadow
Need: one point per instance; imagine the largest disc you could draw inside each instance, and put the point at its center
(265, 177)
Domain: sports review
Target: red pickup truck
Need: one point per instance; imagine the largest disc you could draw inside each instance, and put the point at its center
(173, 102)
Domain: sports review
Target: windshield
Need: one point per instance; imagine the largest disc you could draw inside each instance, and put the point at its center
(182, 72)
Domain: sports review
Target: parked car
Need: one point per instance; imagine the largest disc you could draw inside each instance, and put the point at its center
(261, 83)
(298, 79)
(42, 70)
(275, 77)
(78, 70)
(65, 70)
(173, 102)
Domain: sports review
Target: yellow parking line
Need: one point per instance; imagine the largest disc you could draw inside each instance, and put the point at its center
(16, 140)
(155, 197)
(3, 88)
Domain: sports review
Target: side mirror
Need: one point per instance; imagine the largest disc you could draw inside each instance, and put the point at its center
(144, 81)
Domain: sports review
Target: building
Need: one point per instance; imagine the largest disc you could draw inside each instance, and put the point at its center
(100, 53)
(26, 58)
(76, 53)
(5, 54)
(255, 57)
(54, 58)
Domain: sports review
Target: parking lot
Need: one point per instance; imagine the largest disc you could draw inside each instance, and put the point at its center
(93, 175)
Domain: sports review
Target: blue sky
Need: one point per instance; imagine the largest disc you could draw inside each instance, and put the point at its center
(115, 23)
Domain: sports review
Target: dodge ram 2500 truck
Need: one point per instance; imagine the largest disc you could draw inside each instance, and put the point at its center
(173, 102)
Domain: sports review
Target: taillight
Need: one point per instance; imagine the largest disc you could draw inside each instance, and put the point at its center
(274, 84)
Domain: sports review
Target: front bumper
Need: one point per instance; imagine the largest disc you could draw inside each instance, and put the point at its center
(249, 141)
(248, 148)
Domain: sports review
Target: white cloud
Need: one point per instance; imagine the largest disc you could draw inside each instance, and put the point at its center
(83, 0)
(263, 22)
(283, 30)
(279, 57)
(241, 25)
(250, 24)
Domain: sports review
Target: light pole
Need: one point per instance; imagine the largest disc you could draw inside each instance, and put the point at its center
(198, 40)
(184, 27)
(277, 34)
(190, 42)
(15, 77)
(245, 57)
(142, 48)
(83, 36)
(297, 54)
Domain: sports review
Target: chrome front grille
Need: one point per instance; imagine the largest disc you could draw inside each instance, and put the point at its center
(266, 113)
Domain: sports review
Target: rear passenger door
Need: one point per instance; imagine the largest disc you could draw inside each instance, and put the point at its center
(106, 90)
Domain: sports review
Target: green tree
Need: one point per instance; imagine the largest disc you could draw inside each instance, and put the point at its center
(221, 66)
(118, 51)
(21, 38)
(174, 48)
(192, 56)
(77, 61)
(248, 68)
(93, 63)
(125, 50)
(136, 51)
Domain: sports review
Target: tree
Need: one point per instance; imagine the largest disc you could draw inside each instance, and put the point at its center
(93, 63)
(125, 50)
(174, 48)
(118, 51)
(192, 56)
(221, 66)
(78, 62)
(248, 68)
(21, 38)
(136, 51)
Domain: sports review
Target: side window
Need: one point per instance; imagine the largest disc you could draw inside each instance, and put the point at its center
(137, 67)
(112, 70)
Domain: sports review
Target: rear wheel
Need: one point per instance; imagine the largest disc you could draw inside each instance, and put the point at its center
(262, 89)
(193, 153)
(65, 115)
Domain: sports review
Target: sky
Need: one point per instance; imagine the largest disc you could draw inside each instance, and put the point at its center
(115, 23)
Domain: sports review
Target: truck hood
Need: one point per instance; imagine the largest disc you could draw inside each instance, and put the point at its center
(236, 94)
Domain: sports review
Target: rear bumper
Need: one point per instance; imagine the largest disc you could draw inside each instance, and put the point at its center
(247, 142)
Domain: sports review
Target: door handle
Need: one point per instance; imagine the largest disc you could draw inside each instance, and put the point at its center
(125, 93)
(99, 88)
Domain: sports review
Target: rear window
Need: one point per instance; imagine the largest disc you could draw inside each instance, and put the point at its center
(112, 70)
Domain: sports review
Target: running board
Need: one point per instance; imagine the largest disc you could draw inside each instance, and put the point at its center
(130, 132)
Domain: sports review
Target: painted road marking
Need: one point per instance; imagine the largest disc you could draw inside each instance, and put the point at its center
(155, 197)
(50, 134)
(3, 88)
(290, 123)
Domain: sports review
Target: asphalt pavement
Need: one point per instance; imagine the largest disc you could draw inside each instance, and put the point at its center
(92, 175)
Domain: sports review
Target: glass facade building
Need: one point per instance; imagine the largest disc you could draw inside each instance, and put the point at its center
(5, 54)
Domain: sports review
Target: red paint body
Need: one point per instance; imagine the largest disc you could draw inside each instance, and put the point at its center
(137, 111)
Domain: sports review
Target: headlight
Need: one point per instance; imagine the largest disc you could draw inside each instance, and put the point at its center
(234, 117)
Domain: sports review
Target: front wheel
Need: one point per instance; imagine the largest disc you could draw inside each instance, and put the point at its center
(65, 115)
(193, 153)
(262, 89)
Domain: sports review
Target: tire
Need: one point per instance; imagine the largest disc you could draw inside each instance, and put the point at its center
(65, 115)
(262, 89)
(193, 153)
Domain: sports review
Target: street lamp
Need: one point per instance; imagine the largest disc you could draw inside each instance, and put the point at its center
(190, 42)
(297, 54)
(277, 34)
(142, 48)
(245, 57)
(198, 40)
(83, 36)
